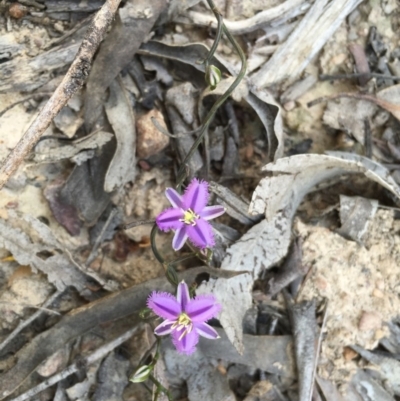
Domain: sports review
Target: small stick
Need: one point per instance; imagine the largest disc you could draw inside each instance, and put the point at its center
(325, 77)
(137, 223)
(367, 139)
(100, 237)
(71, 369)
(73, 80)
(2, 112)
(28, 321)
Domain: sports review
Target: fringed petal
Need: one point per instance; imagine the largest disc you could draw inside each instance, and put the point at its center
(201, 234)
(164, 304)
(203, 308)
(180, 238)
(186, 344)
(196, 196)
(211, 212)
(174, 197)
(205, 330)
(182, 295)
(169, 219)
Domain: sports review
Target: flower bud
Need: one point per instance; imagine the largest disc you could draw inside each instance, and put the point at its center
(141, 374)
(213, 76)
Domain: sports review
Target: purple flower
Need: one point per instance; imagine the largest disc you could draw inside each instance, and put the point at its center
(184, 317)
(189, 215)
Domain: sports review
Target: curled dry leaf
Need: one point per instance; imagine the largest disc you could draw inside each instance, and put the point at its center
(266, 243)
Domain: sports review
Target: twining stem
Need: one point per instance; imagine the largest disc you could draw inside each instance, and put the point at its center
(182, 173)
(153, 244)
(217, 38)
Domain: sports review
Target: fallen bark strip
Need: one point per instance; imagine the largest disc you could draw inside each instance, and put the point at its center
(73, 80)
(81, 320)
(308, 38)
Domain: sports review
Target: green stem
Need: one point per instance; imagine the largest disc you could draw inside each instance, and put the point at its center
(181, 172)
(217, 38)
(153, 244)
(160, 389)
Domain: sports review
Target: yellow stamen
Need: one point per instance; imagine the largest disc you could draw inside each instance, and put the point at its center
(183, 322)
(189, 217)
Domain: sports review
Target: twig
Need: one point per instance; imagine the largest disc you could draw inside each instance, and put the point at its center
(4, 111)
(367, 138)
(78, 26)
(73, 80)
(98, 354)
(28, 321)
(369, 75)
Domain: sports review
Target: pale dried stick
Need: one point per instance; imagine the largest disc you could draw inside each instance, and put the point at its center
(28, 321)
(71, 369)
(73, 80)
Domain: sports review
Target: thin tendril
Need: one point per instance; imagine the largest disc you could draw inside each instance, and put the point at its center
(181, 172)
(217, 38)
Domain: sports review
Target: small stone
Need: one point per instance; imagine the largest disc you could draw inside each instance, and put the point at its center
(349, 353)
(54, 363)
(379, 334)
(377, 293)
(150, 140)
(290, 105)
(370, 321)
(17, 10)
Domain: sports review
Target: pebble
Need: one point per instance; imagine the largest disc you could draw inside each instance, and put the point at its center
(150, 140)
(369, 321)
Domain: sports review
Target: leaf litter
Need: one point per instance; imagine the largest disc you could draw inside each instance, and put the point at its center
(75, 244)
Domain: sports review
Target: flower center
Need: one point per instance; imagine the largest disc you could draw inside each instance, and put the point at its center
(189, 217)
(183, 322)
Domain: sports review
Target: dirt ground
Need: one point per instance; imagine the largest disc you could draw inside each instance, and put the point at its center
(303, 154)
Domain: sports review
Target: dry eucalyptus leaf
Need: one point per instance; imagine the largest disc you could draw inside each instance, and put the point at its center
(349, 114)
(68, 121)
(18, 76)
(27, 248)
(367, 389)
(389, 368)
(235, 206)
(295, 176)
(266, 243)
(58, 150)
(389, 99)
(133, 22)
(192, 54)
(203, 379)
(120, 115)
